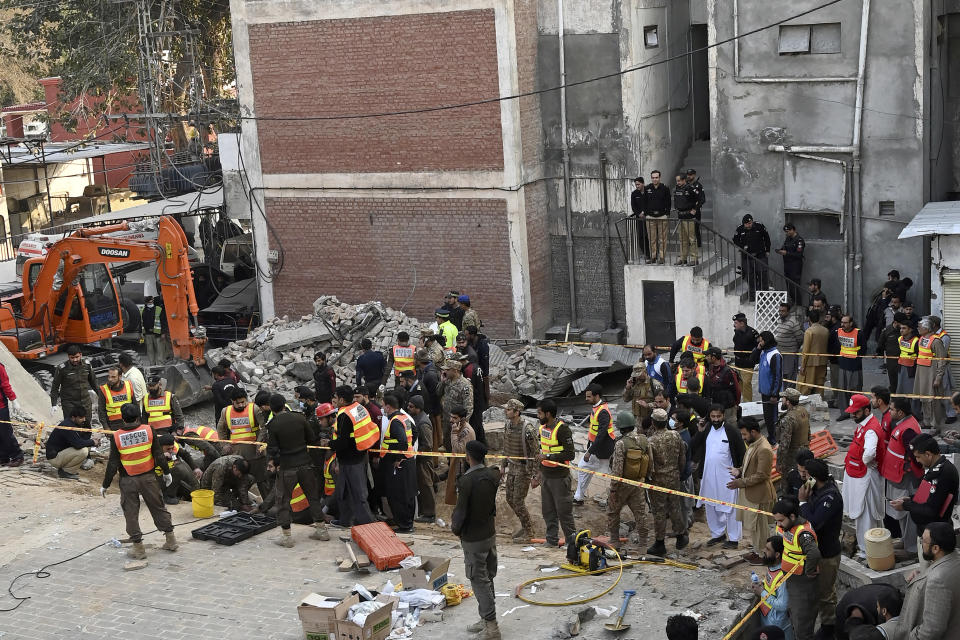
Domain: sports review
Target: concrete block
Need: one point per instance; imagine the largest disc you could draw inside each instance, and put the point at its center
(135, 565)
(302, 371)
(852, 574)
(34, 400)
(306, 334)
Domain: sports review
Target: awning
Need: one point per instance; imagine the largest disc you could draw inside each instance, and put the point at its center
(935, 219)
(54, 153)
(236, 297)
(185, 203)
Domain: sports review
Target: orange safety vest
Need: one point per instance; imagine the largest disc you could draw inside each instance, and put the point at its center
(135, 447)
(298, 501)
(681, 382)
(329, 482)
(848, 343)
(159, 410)
(595, 422)
(113, 400)
(696, 349)
(908, 352)
(402, 359)
(792, 551)
(408, 425)
(550, 442)
(772, 582)
(924, 350)
(207, 433)
(241, 425)
(365, 433)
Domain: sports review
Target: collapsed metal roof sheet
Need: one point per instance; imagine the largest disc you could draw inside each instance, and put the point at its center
(934, 219)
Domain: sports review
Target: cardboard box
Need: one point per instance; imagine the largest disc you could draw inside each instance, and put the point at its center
(319, 611)
(431, 574)
(376, 627)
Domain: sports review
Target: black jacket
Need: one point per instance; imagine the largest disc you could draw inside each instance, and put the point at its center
(942, 478)
(62, 439)
(658, 200)
(474, 516)
(744, 342)
(698, 442)
(287, 440)
(824, 511)
(430, 381)
(638, 201)
(148, 320)
(684, 202)
(324, 383)
(755, 240)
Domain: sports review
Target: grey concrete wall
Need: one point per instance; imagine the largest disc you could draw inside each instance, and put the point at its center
(639, 120)
(747, 115)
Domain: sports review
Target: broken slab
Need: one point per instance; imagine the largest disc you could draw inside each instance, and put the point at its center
(305, 334)
(34, 400)
(136, 565)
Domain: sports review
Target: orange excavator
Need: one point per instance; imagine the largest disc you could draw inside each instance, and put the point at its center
(69, 296)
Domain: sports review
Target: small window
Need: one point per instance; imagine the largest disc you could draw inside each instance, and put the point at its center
(651, 37)
(888, 208)
(799, 39)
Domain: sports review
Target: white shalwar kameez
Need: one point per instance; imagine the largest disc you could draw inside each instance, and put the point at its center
(863, 497)
(716, 474)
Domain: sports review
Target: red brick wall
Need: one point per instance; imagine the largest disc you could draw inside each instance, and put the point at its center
(374, 65)
(362, 249)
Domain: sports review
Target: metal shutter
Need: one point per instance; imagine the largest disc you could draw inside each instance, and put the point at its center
(951, 317)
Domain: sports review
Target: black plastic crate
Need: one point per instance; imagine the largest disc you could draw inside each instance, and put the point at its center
(235, 528)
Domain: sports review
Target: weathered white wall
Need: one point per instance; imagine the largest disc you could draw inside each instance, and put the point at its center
(696, 303)
(944, 255)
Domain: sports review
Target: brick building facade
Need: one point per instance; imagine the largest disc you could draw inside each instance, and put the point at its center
(398, 208)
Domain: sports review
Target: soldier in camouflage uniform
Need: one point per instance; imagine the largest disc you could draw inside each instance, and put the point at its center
(520, 440)
(470, 317)
(793, 432)
(72, 383)
(455, 391)
(641, 391)
(622, 494)
(668, 460)
(229, 482)
(428, 340)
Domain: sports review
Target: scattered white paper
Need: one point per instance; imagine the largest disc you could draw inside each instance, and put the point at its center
(506, 613)
(604, 613)
(502, 595)
(528, 549)
(549, 569)
(410, 562)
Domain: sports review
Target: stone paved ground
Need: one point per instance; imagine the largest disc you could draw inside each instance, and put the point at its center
(250, 590)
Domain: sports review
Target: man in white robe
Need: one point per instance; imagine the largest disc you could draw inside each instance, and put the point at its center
(863, 488)
(723, 449)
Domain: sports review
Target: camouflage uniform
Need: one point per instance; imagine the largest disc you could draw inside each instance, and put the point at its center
(228, 490)
(644, 391)
(436, 353)
(626, 495)
(520, 440)
(669, 456)
(458, 393)
(470, 319)
(793, 434)
(72, 385)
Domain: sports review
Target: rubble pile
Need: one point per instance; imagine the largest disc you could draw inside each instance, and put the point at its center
(278, 355)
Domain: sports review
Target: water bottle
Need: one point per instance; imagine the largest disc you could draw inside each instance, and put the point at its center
(754, 578)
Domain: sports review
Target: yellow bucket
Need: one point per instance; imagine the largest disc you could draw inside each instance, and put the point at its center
(202, 503)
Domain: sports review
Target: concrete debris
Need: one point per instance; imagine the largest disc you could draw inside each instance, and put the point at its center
(135, 565)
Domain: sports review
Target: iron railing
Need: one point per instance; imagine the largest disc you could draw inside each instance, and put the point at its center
(717, 258)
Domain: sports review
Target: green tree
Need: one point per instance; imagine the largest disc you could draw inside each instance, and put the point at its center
(93, 46)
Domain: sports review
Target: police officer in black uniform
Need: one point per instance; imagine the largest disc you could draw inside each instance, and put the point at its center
(698, 194)
(792, 252)
(753, 238)
(72, 383)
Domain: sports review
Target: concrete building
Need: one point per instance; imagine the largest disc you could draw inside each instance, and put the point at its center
(835, 122)
(476, 196)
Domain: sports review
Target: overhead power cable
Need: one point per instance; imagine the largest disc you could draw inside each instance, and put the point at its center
(536, 92)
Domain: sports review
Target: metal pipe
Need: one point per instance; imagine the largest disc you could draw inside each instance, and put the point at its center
(571, 271)
(606, 237)
(736, 39)
(856, 187)
(823, 148)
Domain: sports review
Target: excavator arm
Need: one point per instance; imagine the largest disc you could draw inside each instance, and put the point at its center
(70, 255)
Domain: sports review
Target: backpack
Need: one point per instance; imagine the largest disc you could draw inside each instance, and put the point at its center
(636, 463)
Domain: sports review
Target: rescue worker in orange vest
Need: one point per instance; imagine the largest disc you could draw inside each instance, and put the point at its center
(299, 505)
(900, 469)
(288, 439)
(862, 488)
(694, 342)
(801, 555)
(686, 371)
(601, 439)
(909, 344)
(186, 474)
(355, 433)
(400, 358)
(162, 408)
(774, 605)
(242, 422)
(931, 371)
(399, 469)
(113, 395)
(203, 439)
(135, 453)
(556, 495)
(848, 341)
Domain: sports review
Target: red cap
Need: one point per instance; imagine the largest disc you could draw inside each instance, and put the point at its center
(325, 409)
(858, 401)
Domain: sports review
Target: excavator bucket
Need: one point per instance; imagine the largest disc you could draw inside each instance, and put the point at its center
(186, 381)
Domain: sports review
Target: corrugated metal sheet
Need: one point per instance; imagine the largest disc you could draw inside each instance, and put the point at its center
(934, 219)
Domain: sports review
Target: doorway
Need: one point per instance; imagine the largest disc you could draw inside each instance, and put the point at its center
(700, 83)
(659, 319)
